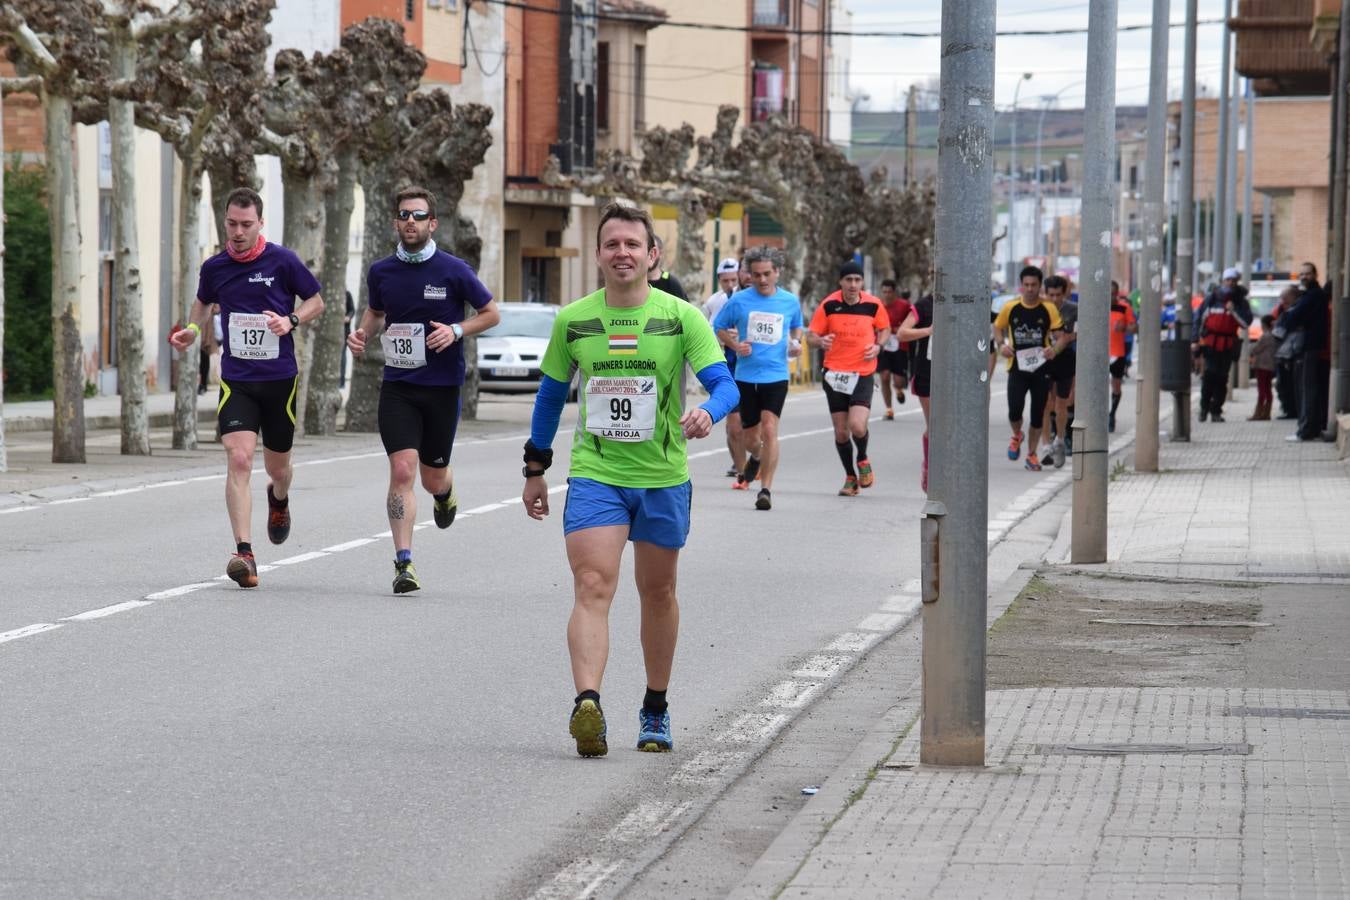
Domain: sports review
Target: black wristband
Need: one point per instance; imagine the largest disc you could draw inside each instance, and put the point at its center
(544, 458)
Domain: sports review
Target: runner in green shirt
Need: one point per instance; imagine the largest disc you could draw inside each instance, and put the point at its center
(629, 478)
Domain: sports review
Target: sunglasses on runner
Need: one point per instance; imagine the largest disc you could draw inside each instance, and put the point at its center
(417, 215)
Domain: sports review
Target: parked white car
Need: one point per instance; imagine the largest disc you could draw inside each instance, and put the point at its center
(510, 352)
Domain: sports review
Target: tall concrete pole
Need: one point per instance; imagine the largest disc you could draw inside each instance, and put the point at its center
(1187, 218)
(1340, 310)
(1038, 239)
(1217, 228)
(1094, 304)
(1265, 231)
(1229, 223)
(955, 525)
(1149, 340)
(1013, 267)
(4, 459)
(1248, 174)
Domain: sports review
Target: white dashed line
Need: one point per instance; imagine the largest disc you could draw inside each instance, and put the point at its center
(852, 642)
(350, 545)
(303, 557)
(821, 666)
(26, 631)
(18, 509)
(880, 622)
(107, 611)
(181, 590)
(790, 694)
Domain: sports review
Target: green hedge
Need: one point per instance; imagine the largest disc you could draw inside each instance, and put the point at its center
(28, 285)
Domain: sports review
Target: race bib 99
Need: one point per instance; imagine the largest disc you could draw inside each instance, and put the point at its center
(620, 408)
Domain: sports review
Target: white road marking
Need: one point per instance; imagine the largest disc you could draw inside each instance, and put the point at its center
(482, 509)
(880, 622)
(67, 500)
(822, 666)
(182, 589)
(303, 557)
(105, 611)
(754, 727)
(18, 509)
(581, 878)
(790, 694)
(852, 642)
(350, 545)
(904, 606)
(708, 766)
(26, 631)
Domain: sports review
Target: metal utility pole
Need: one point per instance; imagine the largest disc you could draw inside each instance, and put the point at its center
(911, 121)
(1217, 227)
(1340, 309)
(955, 523)
(1094, 304)
(1248, 174)
(1186, 222)
(1265, 231)
(1010, 275)
(4, 460)
(1149, 340)
(1229, 224)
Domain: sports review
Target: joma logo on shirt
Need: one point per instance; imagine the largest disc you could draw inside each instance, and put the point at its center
(259, 278)
(434, 292)
(629, 322)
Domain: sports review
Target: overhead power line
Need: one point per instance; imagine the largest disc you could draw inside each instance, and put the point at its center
(654, 21)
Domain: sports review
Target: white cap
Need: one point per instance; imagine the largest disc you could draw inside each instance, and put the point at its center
(728, 265)
(1231, 272)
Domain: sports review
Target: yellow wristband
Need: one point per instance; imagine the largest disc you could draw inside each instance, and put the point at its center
(195, 328)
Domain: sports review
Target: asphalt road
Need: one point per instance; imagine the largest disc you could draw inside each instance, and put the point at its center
(321, 737)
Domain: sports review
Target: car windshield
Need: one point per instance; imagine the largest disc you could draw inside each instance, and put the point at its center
(517, 322)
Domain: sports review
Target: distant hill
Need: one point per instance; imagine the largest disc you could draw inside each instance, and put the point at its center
(879, 137)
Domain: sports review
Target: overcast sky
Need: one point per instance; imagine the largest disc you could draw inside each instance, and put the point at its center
(885, 67)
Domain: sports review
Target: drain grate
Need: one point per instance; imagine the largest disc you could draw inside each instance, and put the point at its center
(1128, 749)
(1287, 712)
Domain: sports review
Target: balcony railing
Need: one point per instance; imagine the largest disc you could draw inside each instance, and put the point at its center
(770, 14)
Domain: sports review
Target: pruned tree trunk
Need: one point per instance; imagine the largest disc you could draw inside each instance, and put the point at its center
(189, 264)
(324, 397)
(126, 257)
(692, 248)
(363, 399)
(68, 431)
(227, 173)
(302, 232)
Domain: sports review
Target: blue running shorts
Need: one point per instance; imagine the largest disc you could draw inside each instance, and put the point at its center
(657, 516)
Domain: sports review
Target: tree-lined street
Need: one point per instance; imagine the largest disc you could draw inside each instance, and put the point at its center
(321, 736)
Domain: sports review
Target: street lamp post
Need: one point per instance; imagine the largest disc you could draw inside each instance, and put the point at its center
(1011, 273)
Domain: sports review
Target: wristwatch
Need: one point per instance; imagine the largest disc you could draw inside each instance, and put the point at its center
(295, 321)
(458, 330)
(531, 473)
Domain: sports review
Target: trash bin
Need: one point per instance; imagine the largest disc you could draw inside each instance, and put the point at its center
(1176, 366)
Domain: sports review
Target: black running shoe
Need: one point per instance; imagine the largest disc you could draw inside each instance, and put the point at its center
(751, 470)
(587, 726)
(278, 519)
(762, 500)
(405, 578)
(444, 513)
(242, 569)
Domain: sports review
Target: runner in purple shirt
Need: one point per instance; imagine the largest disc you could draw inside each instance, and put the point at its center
(256, 284)
(418, 297)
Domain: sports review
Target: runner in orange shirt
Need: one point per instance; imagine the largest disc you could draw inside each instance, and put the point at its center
(1122, 323)
(851, 327)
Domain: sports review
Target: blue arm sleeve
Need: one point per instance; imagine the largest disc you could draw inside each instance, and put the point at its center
(548, 408)
(723, 395)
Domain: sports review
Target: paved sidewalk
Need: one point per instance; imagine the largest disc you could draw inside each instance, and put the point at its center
(1208, 781)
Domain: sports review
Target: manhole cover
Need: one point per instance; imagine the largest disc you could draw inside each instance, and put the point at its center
(1123, 749)
(1288, 712)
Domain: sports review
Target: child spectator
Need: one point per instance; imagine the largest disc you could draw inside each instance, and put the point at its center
(1263, 364)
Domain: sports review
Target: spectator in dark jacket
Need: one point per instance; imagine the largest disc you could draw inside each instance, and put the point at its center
(1220, 320)
(1308, 318)
(1286, 370)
